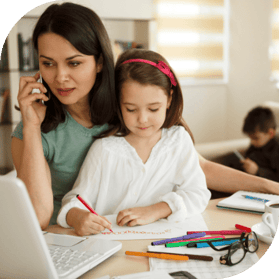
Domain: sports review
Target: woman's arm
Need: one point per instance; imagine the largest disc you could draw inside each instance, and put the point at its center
(28, 155)
(33, 170)
(224, 179)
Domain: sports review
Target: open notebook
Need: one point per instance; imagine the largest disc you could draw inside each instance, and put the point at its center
(238, 202)
(27, 252)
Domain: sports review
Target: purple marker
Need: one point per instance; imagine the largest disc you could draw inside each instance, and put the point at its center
(189, 236)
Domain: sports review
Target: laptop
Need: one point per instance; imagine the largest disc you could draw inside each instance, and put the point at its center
(28, 252)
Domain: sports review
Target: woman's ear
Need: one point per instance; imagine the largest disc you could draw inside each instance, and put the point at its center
(100, 64)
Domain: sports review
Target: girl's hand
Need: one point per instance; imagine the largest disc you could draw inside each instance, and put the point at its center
(33, 113)
(86, 223)
(143, 215)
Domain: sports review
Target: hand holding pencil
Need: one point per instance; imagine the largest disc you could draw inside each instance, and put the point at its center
(86, 222)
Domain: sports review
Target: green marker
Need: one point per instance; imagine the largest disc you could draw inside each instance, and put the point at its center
(184, 243)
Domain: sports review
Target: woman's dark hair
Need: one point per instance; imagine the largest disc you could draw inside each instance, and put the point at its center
(85, 31)
(146, 74)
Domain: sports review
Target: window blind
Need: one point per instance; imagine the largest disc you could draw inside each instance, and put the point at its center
(191, 35)
(274, 49)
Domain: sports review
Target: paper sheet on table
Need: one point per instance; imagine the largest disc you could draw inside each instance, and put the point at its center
(200, 269)
(160, 229)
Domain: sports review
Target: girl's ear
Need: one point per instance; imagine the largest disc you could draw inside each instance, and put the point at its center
(100, 64)
(170, 98)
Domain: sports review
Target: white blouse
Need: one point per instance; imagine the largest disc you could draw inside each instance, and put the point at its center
(113, 177)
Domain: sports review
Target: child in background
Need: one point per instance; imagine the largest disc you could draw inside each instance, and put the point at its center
(146, 167)
(262, 157)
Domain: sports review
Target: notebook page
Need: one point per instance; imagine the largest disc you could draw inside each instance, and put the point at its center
(238, 202)
(160, 229)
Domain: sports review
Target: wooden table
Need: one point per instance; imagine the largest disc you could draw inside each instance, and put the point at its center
(120, 264)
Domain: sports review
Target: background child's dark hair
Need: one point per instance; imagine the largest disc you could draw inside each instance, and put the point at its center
(146, 74)
(83, 28)
(259, 119)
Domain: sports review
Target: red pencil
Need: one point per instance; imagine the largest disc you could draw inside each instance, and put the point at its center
(88, 207)
(243, 228)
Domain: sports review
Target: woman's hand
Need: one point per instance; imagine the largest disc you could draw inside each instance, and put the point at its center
(86, 223)
(143, 215)
(32, 112)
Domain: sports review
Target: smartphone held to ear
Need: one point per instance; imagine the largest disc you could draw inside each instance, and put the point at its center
(36, 90)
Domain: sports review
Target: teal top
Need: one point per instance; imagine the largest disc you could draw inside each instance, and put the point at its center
(65, 149)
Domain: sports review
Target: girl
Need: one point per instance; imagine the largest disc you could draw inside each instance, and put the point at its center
(148, 169)
(50, 144)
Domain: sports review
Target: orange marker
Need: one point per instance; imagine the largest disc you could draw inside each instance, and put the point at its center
(158, 256)
(88, 207)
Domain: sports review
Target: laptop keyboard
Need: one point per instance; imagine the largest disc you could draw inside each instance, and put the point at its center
(67, 260)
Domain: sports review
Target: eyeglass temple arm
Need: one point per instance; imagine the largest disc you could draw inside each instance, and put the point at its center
(227, 247)
(218, 249)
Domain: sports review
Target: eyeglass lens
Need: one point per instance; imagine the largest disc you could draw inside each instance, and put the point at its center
(236, 252)
(239, 248)
(252, 242)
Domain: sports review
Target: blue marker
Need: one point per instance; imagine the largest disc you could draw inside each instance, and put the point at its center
(255, 198)
(219, 243)
(188, 236)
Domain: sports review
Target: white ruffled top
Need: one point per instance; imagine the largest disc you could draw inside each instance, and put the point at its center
(113, 177)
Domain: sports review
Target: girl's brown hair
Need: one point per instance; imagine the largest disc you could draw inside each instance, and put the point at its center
(147, 74)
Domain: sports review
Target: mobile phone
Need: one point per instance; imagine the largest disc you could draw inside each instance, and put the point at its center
(238, 155)
(182, 275)
(36, 90)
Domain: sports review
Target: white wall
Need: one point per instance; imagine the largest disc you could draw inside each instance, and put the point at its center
(205, 111)
(249, 78)
(132, 9)
(216, 113)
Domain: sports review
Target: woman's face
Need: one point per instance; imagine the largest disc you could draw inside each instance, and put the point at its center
(69, 73)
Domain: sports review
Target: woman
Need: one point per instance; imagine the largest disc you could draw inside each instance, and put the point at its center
(76, 64)
(51, 142)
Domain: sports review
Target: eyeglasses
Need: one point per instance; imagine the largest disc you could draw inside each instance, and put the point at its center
(238, 249)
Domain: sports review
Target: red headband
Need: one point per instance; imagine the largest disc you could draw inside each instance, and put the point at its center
(162, 66)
